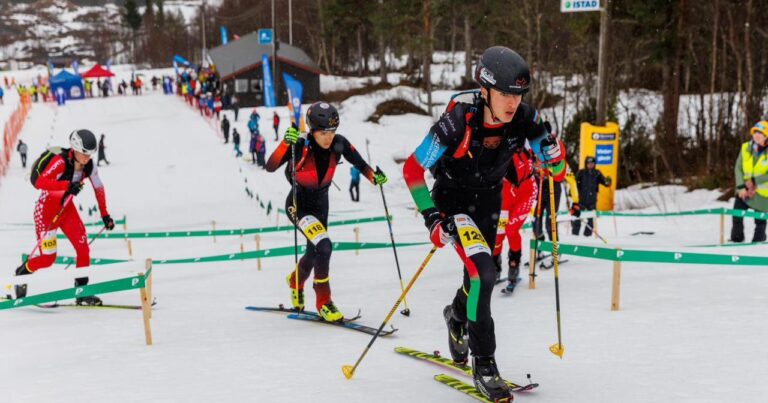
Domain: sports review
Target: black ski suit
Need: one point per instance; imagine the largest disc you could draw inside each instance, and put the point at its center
(588, 181)
(315, 168)
(468, 180)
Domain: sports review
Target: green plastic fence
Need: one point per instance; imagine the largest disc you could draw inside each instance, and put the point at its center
(649, 256)
(123, 284)
(90, 224)
(222, 232)
(282, 251)
(94, 261)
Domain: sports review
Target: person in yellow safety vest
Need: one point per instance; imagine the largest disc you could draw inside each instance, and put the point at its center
(751, 173)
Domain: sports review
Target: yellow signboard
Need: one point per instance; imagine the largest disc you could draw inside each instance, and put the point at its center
(602, 143)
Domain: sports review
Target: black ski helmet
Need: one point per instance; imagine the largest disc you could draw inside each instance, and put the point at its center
(322, 116)
(503, 69)
(589, 160)
(83, 141)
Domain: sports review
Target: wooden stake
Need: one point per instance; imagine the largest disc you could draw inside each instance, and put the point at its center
(616, 289)
(146, 308)
(148, 265)
(213, 224)
(722, 229)
(594, 227)
(531, 268)
(356, 230)
(258, 248)
(242, 247)
(130, 249)
(615, 228)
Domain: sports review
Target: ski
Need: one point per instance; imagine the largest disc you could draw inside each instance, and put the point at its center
(466, 388)
(345, 324)
(282, 309)
(103, 306)
(551, 264)
(463, 369)
(510, 288)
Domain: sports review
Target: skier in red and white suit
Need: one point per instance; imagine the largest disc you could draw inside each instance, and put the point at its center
(60, 174)
(516, 203)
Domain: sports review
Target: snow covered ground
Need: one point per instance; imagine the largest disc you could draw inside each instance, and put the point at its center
(684, 334)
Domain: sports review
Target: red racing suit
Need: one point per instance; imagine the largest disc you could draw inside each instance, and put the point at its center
(53, 179)
(516, 201)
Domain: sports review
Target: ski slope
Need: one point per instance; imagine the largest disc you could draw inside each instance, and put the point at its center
(684, 334)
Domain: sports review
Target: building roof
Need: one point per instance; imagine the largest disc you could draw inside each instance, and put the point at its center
(245, 54)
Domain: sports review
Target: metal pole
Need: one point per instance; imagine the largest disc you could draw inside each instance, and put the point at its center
(290, 22)
(202, 18)
(274, 55)
(602, 63)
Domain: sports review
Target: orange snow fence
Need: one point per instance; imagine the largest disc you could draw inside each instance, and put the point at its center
(11, 132)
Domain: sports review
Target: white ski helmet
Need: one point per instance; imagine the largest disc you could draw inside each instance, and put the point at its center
(83, 141)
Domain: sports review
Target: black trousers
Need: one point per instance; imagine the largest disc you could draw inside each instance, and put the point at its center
(317, 256)
(576, 224)
(354, 191)
(23, 160)
(483, 207)
(737, 229)
(546, 210)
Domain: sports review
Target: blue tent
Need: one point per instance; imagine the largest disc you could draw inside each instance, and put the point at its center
(70, 83)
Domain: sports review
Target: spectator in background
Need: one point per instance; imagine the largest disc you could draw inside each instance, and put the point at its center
(217, 105)
(225, 129)
(261, 151)
(2, 93)
(253, 121)
(105, 88)
(88, 88)
(102, 155)
(588, 181)
(154, 83)
(139, 84)
(354, 184)
(22, 149)
(252, 147)
(236, 142)
(751, 172)
(235, 106)
(276, 124)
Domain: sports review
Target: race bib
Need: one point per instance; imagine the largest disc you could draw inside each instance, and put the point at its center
(471, 238)
(313, 229)
(48, 243)
(503, 221)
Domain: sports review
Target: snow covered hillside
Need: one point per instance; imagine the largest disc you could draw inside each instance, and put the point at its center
(686, 333)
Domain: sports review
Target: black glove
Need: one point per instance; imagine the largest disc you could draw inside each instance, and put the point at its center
(74, 188)
(608, 181)
(109, 223)
(575, 210)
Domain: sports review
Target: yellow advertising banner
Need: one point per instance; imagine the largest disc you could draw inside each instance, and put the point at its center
(602, 143)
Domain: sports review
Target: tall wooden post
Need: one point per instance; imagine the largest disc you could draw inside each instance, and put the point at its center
(722, 229)
(148, 266)
(146, 310)
(602, 65)
(532, 270)
(356, 230)
(213, 224)
(616, 289)
(258, 248)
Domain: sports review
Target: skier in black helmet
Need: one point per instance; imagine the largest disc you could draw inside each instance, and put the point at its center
(316, 159)
(469, 151)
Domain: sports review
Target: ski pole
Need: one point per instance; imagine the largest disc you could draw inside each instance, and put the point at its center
(349, 370)
(53, 222)
(295, 215)
(595, 232)
(556, 348)
(537, 220)
(98, 234)
(406, 311)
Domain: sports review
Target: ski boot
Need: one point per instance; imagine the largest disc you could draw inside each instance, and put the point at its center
(21, 289)
(514, 270)
(297, 296)
(330, 313)
(488, 381)
(497, 264)
(91, 300)
(458, 338)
